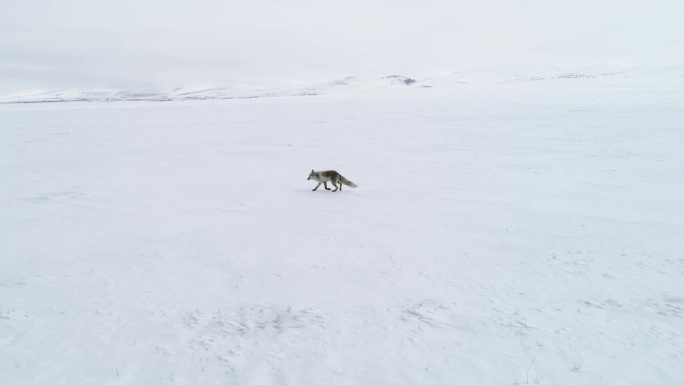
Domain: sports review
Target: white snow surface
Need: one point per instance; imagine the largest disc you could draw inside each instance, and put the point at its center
(603, 75)
(526, 232)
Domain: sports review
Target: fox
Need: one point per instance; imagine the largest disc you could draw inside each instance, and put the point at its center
(323, 177)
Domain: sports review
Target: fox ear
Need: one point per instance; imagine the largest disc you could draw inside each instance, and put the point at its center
(312, 170)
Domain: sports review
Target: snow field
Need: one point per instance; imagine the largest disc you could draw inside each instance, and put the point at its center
(499, 235)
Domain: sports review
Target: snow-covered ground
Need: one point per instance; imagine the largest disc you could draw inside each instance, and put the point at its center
(502, 233)
(605, 76)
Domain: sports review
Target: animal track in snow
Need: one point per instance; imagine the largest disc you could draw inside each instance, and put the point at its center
(231, 338)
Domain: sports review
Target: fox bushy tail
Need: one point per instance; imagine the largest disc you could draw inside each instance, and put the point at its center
(347, 182)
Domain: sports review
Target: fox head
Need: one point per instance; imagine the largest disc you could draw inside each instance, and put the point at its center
(310, 175)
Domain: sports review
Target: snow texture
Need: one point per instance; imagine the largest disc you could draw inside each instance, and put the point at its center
(508, 232)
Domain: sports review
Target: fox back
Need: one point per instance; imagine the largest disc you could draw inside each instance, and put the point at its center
(323, 176)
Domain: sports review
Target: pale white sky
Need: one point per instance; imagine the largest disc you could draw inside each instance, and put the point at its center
(167, 43)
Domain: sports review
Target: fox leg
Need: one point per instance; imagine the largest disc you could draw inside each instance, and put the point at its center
(335, 185)
(325, 184)
(317, 186)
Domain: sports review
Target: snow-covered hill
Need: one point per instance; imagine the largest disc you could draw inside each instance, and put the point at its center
(507, 233)
(441, 82)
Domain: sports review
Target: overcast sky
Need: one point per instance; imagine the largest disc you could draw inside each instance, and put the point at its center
(167, 43)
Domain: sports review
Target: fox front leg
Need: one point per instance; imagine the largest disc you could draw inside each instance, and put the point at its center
(317, 186)
(325, 184)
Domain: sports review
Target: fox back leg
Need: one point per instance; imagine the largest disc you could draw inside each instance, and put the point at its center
(336, 182)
